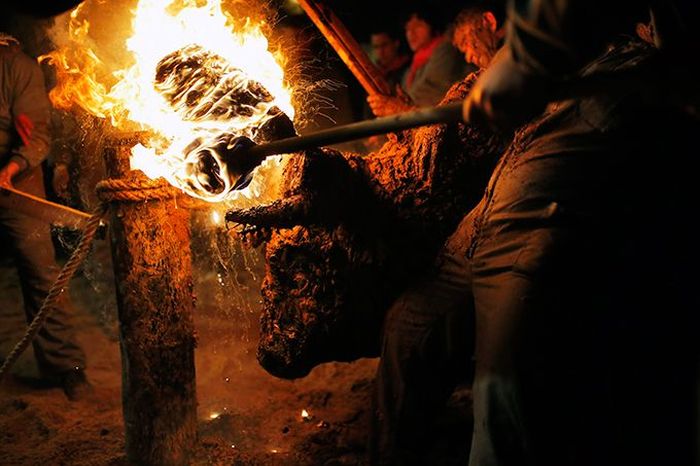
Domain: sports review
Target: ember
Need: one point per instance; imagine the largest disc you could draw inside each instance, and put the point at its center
(305, 416)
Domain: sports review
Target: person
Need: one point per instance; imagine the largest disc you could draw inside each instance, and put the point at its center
(24, 143)
(388, 56)
(478, 34)
(392, 63)
(428, 334)
(435, 66)
(581, 255)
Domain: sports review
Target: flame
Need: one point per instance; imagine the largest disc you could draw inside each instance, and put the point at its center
(77, 70)
(190, 66)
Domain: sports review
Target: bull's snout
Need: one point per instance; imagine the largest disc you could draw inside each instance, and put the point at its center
(281, 365)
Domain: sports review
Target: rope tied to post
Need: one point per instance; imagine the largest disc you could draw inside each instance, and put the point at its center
(138, 189)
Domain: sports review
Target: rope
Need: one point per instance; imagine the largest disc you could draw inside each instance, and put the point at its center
(56, 289)
(108, 191)
(111, 190)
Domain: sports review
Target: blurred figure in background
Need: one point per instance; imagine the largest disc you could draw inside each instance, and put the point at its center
(435, 65)
(388, 55)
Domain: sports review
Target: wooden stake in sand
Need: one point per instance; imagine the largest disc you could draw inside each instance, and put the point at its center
(152, 263)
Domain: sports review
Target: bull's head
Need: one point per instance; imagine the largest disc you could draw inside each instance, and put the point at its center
(323, 295)
(322, 300)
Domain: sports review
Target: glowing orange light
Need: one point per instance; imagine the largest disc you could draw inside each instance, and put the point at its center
(135, 100)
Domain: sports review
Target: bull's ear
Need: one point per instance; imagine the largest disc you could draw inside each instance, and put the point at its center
(43, 8)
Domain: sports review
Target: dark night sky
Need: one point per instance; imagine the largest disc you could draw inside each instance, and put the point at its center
(361, 16)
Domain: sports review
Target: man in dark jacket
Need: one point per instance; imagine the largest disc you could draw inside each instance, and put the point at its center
(24, 143)
(583, 250)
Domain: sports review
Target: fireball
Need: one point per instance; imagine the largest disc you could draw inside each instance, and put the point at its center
(195, 83)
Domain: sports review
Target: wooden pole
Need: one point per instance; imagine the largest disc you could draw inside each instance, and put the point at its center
(448, 113)
(346, 47)
(152, 263)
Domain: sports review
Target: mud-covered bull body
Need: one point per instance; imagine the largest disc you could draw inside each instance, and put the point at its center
(349, 233)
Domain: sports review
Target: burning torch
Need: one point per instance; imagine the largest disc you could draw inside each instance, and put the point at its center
(236, 158)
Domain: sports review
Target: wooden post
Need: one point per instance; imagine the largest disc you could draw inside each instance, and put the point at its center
(152, 263)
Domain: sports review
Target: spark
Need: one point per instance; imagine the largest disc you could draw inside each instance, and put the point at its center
(306, 416)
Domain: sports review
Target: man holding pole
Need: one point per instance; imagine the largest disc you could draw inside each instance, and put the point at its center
(24, 143)
(586, 326)
(554, 264)
(428, 333)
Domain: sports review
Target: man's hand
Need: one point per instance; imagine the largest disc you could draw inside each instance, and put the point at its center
(7, 173)
(506, 95)
(384, 105)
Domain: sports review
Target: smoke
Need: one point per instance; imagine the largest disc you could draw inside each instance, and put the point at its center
(108, 27)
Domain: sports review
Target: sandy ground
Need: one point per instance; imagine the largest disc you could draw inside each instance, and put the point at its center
(246, 416)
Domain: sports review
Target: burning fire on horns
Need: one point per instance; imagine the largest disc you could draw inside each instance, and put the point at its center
(196, 85)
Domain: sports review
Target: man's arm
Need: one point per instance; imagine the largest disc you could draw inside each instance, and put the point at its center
(30, 112)
(558, 37)
(548, 41)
